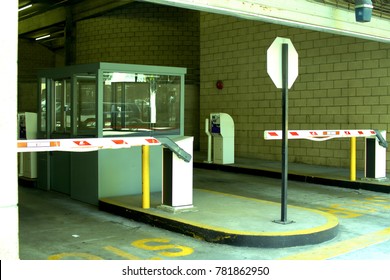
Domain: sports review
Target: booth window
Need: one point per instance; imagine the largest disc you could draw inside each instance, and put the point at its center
(140, 103)
(86, 104)
(107, 99)
(42, 102)
(62, 106)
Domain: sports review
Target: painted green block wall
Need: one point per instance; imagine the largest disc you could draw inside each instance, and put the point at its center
(343, 83)
(147, 34)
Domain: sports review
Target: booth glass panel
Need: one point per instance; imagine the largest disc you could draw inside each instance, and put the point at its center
(62, 106)
(168, 102)
(86, 105)
(42, 101)
(126, 106)
(141, 103)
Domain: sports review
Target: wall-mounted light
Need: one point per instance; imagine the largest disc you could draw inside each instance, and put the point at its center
(42, 37)
(363, 10)
(219, 84)
(25, 7)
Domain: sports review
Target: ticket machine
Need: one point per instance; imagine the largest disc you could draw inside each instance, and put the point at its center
(222, 131)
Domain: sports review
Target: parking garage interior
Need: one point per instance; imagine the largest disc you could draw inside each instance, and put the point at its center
(206, 59)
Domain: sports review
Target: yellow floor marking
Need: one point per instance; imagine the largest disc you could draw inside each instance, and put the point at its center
(178, 250)
(121, 253)
(342, 247)
(74, 256)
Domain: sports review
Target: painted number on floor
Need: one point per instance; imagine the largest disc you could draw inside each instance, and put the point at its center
(163, 247)
(357, 208)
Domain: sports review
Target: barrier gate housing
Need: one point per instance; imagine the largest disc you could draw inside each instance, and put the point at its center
(375, 147)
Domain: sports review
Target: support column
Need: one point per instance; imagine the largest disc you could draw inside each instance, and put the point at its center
(9, 218)
(70, 37)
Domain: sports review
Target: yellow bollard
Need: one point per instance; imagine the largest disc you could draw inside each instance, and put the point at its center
(352, 174)
(145, 177)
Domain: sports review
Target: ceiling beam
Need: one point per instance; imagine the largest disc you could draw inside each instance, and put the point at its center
(304, 14)
(90, 8)
(41, 21)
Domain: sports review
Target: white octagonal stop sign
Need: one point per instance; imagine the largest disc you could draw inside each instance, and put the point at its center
(274, 62)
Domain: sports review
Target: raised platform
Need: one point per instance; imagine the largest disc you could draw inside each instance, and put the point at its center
(230, 219)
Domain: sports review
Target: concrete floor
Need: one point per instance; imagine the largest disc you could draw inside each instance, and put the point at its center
(53, 226)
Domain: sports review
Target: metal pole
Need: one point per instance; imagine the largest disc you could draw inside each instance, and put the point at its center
(145, 177)
(284, 132)
(352, 174)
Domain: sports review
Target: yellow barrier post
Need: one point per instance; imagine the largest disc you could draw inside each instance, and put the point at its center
(353, 159)
(145, 177)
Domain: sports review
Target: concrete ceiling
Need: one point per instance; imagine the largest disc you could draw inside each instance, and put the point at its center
(320, 15)
(53, 17)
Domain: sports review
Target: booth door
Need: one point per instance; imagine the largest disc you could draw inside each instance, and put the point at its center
(60, 172)
(60, 127)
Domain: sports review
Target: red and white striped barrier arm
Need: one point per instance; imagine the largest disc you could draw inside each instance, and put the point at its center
(318, 135)
(83, 144)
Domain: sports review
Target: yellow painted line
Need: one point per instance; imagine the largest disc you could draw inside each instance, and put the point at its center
(121, 253)
(342, 247)
(74, 256)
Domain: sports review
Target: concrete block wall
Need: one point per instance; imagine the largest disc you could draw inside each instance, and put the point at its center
(31, 58)
(141, 34)
(343, 83)
(147, 34)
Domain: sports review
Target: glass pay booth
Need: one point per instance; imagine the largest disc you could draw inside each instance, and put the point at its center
(222, 131)
(107, 100)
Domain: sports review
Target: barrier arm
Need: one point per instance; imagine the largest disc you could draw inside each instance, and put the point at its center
(94, 144)
(83, 144)
(323, 135)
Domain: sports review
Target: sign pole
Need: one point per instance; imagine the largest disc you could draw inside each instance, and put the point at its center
(283, 218)
(282, 67)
